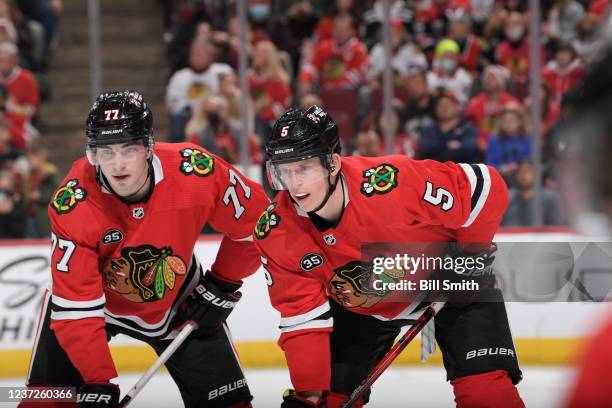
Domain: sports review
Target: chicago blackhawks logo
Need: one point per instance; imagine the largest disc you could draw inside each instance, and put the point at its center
(267, 220)
(353, 284)
(197, 162)
(379, 180)
(143, 273)
(67, 197)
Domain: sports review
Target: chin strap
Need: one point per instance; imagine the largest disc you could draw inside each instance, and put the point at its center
(330, 190)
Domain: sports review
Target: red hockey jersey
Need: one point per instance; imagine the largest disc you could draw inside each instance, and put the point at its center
(337, 66)
(387, 199)
(133, 265)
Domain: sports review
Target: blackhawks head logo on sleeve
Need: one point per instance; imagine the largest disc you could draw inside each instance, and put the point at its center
(67, 197)
(379, 180)
(143, 273)
(197, 162)
(267, 220)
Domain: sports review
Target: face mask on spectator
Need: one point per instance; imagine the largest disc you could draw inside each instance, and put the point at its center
(448, 65)
(213, 119)
(259, 12)
(514, 33)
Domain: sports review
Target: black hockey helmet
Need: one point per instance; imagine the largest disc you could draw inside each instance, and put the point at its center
(119, 117)
(300, 134)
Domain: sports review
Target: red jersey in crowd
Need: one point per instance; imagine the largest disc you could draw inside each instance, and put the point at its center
(270, 96)
(516, 58)
(470, 52)
(132, 265)
(24, 99)
(335, 66)
(386, 199)
(561, 80)
(484, 112)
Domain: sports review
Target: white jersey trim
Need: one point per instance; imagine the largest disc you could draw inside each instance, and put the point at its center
(313, 324)
(77, 304)
(305, 317)
(484, 193)
(77, 314)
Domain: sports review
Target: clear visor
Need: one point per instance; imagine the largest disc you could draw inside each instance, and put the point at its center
(293, 175)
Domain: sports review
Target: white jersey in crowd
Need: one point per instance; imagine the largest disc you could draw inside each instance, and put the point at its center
(186, 87)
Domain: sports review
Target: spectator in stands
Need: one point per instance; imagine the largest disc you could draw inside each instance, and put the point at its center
(513, 52)
(470, 45)
(420, 108)
(549, 108)
(339, 63)
(446, 72)
(563, 18)
(8, 151)
(38, 184)
(268, 83)
(368, 144)
(325, 26)
(208, 127)
(12, 212)
(24, 98)
(373, 18)
(403, 143)
(586, 37)
(189, 85)
(30, 36)
(449, 138)
(512, 144)
(563, 72)
(46, 12)
(291, 26)
(484, 108)
(406, 57)
(435, 17)
(519, 212)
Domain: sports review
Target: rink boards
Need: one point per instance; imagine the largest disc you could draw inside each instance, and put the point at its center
(545, 333)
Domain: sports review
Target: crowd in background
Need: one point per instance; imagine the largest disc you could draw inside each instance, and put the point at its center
(460, 79)
(27, 178)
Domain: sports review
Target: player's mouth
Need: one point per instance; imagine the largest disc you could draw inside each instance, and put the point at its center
(300, 197)
(121, 177)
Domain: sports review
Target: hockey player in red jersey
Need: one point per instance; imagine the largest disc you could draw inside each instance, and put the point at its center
(334, 325)
(124, 224)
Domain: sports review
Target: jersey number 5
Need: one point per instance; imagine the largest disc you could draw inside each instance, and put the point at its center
(441, 196)
(67, 247)
(231, 196)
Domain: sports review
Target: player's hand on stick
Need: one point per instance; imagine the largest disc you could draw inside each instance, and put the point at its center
(212, 301)
(104, 395)
(292, 399)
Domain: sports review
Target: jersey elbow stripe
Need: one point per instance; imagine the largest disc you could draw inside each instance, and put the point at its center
(76, 314)
(77, 304)
(312, 324)
(480, 185)
(315, 313)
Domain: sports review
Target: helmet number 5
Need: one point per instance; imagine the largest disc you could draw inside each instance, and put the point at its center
(231, 196)
(284, 131)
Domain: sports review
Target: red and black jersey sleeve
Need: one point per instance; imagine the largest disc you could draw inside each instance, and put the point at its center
(470, 198)
(305, 324)
(77, 301)
(237, 204)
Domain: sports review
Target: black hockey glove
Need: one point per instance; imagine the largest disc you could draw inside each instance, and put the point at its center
(211, 302)
(105, 395)
(292, 400)
(473, 274)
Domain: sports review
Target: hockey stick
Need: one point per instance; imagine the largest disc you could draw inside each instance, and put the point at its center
(392, 354)
(163, 357)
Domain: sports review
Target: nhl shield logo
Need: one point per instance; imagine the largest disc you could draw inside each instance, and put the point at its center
(330, 239)
(138, 213)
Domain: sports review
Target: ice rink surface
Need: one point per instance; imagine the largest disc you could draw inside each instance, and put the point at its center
(406, 387)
